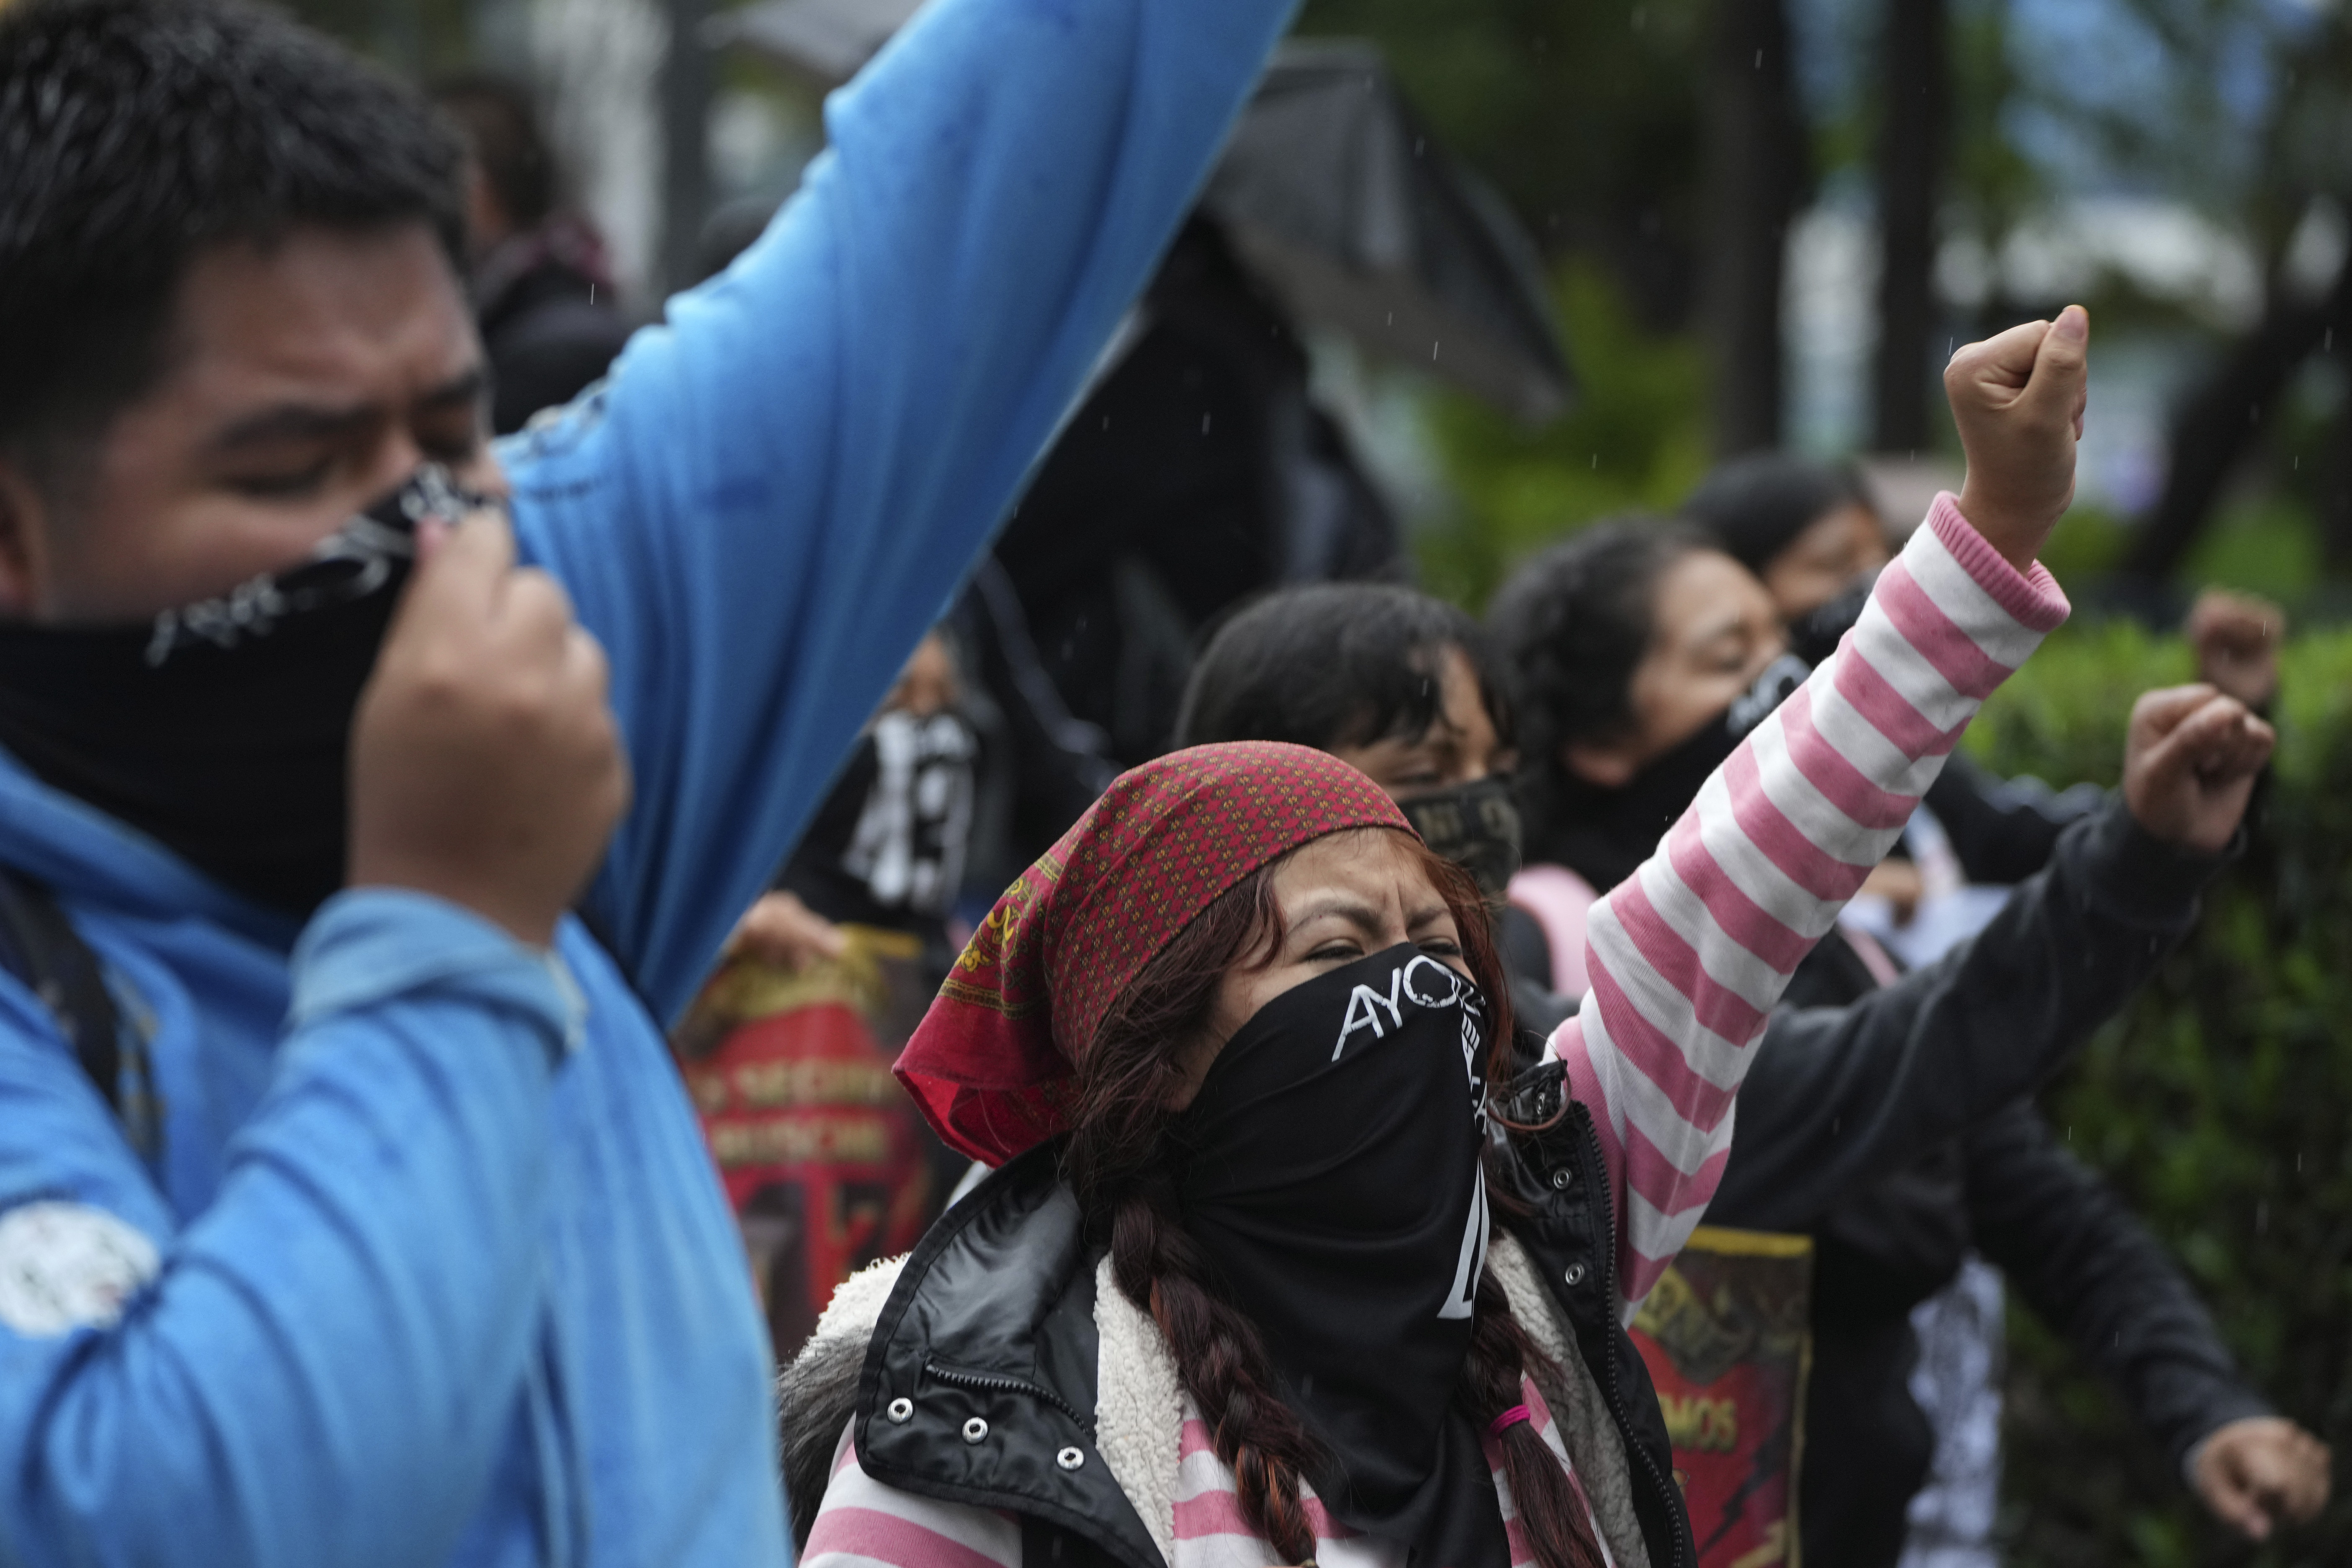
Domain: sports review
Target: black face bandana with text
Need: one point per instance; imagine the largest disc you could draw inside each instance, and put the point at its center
(223, 729)
(1814, 636)
(1331, 1171)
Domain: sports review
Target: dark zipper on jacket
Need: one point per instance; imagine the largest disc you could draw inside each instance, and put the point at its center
(996, 1383)
(1590, 1144)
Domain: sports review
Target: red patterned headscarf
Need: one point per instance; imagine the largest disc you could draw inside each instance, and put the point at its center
(993, 1063)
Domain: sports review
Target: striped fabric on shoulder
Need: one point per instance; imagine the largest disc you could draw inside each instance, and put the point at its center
(862, 1523)
(1210, 1532)
(1689, 955)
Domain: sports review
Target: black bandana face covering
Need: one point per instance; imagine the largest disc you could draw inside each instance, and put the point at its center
(1475, 826)
(1814, 638)
(1330, 1169)
(1606, 834)
(223, 729)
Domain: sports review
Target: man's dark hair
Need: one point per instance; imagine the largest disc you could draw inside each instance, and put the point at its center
(1756, 506)
(1574, 623)
(499, 119)
(1340, 664)
(136, 134)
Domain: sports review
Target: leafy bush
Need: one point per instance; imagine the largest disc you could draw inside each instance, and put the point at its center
(2218, 1104)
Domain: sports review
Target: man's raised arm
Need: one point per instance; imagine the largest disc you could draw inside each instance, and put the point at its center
(779, 492)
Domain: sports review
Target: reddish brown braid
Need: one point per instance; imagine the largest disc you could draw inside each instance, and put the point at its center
(1551, 1518)
(1117, 1164)
(1115, 1161)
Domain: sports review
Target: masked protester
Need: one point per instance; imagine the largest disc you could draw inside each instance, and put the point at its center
(787, 1051)
(350, 1210)
(1397, 684)
(1807, 529)
(1888, 1118)
(222, 729)
(1813, 537)
(1278, 1229)
(887, 848)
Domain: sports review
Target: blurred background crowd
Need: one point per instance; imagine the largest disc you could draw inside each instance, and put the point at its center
(1475, 274)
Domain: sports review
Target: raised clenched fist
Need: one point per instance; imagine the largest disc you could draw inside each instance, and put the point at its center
(2017, 399)
(2190, 760)
(486, 765)
(2237, 638)
(2261, 1472)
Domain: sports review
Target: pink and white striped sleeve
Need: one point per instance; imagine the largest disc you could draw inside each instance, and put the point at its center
(1688, 955)
(862, 1523)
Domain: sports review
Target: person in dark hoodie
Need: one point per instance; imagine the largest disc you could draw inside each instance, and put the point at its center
(1642, 656)
(544, 296)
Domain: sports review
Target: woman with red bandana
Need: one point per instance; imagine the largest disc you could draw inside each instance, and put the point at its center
(1281, 1262)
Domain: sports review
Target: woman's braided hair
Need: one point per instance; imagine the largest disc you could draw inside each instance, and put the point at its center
(1118, 1165)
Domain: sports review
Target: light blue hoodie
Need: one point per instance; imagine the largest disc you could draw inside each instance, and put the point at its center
(432, 1266)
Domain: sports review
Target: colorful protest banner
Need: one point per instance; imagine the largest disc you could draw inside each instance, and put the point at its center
(1726, 1334)
(823, 1157)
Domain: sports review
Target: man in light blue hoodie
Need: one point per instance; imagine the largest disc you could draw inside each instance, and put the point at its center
(349, 1210)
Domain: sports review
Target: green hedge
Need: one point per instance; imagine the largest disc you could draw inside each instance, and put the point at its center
(2218, 1104)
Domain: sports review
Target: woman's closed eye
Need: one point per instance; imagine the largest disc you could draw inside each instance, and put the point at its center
(1730, 654)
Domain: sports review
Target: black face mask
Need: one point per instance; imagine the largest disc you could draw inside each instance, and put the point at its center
(1604, 834)
(1814, 636)
(1330, 1168)
(1475, 826)
(222, 729)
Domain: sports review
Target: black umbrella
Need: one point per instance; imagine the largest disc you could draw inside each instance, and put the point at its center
(1339, 200)
(1334, 196)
